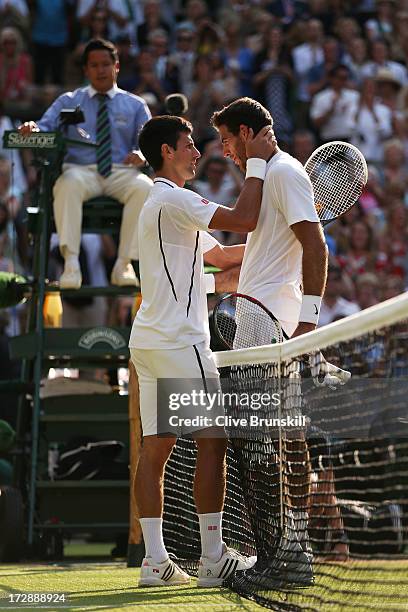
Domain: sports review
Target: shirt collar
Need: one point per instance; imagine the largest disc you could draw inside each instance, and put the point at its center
(160, 179)
(111, 93)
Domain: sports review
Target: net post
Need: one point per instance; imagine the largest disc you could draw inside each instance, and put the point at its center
(135, 540)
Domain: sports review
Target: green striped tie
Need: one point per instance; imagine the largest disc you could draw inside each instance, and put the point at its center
(103, 137)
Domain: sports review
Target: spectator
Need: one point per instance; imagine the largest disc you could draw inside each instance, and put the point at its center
(209, 38)
(152, 20)
(127, 78)
(372, 123)
(391, 287)
(124, 16)
(50, 39)
(388, 88)
(361, 254)
(318, 76)
(16, 71)
(287, 11)
(196, 12)
(15, 14)
(165, 71)
(184, 55)
(273, 81)
(15, 239)
(95, 27)
(331, 108)
(334, 305)
(303, 145)
(237, 57)
(367, 290)
(206, 97)
(382, 26)
(346, 30)
(262, 24)
(372, 199)
(355, 59)
(394, 242)
(399, 43)
(305, 57)
(113, 118)
(395, 170)
(19, 182)
(380, 59)
(146, 78)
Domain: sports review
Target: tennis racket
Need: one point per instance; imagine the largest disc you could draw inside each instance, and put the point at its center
(338, 173)
(240, 321)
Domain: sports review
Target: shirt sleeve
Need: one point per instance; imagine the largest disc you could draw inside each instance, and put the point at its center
(293, 194)
(189, 211)
(208, 242)
(50, 120)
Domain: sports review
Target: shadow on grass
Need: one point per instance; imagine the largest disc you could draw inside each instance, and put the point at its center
(183, 597)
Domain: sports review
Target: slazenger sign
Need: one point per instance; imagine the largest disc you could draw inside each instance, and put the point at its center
(40, 141)
(101, 334)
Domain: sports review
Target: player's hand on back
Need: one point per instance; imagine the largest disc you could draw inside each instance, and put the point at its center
(262, 145)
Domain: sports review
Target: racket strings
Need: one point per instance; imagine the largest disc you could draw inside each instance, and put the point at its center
(243, 323)
(338, 174)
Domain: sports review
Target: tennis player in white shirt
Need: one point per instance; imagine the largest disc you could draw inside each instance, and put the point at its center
(170, 335)
(285, 268)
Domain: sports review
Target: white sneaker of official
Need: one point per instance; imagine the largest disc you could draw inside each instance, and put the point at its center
(211, 574)
(167, 573)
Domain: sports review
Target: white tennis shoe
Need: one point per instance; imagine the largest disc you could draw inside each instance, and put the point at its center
(212, 574)
(167, 573)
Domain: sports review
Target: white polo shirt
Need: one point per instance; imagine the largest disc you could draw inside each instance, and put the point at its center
(271, 269)
(173, 313)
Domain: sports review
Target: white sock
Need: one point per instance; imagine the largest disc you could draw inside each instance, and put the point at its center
(70, 258)
(152, 529)
(211, 535)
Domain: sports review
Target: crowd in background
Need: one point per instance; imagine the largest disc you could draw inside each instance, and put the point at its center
(325, 69)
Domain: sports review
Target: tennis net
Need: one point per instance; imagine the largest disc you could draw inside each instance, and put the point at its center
(317, 481)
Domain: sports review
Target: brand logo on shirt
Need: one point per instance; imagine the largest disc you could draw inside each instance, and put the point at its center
(205, 202)
(316, 311)
(212, 527)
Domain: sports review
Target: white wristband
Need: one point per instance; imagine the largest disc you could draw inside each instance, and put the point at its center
(310, 310)
(255, 168)
(209, 280)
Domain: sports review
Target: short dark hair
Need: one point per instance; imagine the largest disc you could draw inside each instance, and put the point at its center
(333, 72)
(244, 111)
(164, 129)
(99, 44)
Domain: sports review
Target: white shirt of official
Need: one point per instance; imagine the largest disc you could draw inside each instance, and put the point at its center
(173, 313)
(271, 269)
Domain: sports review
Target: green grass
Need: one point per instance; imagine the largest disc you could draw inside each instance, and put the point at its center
(112, 586)
(382, 585)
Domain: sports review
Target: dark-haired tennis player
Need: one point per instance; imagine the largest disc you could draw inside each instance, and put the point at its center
(285, 268)
(170, 336)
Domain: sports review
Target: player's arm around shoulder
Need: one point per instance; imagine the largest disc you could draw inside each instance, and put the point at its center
(243, 217)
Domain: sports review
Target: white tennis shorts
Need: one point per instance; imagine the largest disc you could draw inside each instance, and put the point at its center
(174, 371)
